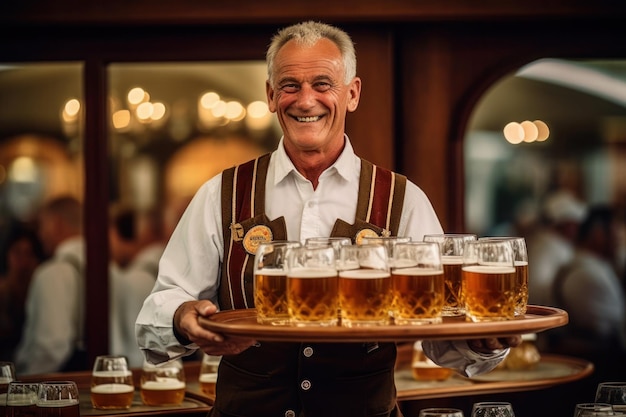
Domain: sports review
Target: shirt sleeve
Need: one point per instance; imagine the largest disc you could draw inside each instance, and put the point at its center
(189, 270)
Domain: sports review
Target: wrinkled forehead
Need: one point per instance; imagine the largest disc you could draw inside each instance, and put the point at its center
(323, 56)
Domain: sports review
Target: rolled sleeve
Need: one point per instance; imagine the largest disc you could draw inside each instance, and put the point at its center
(457, 355)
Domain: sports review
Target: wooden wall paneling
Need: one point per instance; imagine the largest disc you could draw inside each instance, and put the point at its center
(371, 126)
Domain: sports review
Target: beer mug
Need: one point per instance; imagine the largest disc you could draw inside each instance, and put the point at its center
(112, 384)
(424, 369)
(7, 374)
(22, 399)
(492, 409)
(312, 293)
(613, 393)
(521, 271)
(451, 247)
(58, 399)
(593, 410)
(208, 373)
(388, 242)
(364, 286)
(417, 283)
(335, 242)
(488, 278)
(440, 412)
(270, 282)
(163, 384)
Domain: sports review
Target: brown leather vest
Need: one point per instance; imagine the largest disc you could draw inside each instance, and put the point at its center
(301, 379)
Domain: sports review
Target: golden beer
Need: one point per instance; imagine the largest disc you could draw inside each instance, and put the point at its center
(165, 391)
(418, 295)
(364, 297)
(207, 383)
(453, 305)
(489, 292)
(521, 287)
(59, 408)
(270, 296)
(312, 296)
(111, 392)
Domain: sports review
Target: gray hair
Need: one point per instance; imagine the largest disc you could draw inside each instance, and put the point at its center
(307, 34)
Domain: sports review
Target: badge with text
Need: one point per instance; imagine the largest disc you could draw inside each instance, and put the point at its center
(255, 236)
(358, 239)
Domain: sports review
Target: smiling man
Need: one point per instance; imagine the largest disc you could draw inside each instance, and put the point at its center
(312, 185)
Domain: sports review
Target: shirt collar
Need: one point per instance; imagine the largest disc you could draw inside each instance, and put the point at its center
(345, 165)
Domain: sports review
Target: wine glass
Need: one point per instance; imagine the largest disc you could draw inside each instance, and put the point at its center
(58, 398)
(492, 409)
(111, 383)
(613, 393)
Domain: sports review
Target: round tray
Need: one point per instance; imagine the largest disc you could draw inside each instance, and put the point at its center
(243, 323)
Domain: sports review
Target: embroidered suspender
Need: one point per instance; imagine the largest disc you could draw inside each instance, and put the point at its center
(379, 207)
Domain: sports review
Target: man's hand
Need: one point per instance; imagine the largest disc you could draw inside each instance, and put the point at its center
(489, 345)
(186, 326)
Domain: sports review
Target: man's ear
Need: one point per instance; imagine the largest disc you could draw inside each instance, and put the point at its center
(355, 94)
(270, 92)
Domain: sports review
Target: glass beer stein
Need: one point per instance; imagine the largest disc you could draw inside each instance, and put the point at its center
(163, 384)
(111, 383)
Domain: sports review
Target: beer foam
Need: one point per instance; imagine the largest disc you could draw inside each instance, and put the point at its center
(415, 271)
(271, 272)
(112, 388)
(208, 378)
(521, 263)
(364, 274)
(451, 260)
(163, 384)
(113, 374)
(489, 269)
(312, 273)
(21, 399)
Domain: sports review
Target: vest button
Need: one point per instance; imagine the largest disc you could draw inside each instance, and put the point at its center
(308, 351)
(305, 385)
(290, 413)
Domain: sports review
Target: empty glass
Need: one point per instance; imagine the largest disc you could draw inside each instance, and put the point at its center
(58, 399)
(440, 412)
(593, 410)
(492, 409)
(613, 393)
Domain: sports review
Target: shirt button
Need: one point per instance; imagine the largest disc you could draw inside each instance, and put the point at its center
(290, 413)
(308, 351)
(305, 385)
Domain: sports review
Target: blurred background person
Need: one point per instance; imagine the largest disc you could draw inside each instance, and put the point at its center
(23, 253)
(589, 289)
(552, 244)
(52, 338)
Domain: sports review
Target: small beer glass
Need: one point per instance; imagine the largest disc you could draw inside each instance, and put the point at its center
(22, 399)
(335, 242)
(270, 282)
(364, 286)
(521, 271)
(208, 373)
(613, 393)
(163, 384)
(111, 383)
(492, 409)
(417, 283)
(388, 242)
(58, 399)
(593, 410)
(312, 287)
(440, 412)
(451, 246)
(488, 280)
(7, 374)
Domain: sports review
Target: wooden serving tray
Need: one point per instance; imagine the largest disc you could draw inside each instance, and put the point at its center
(243, 323)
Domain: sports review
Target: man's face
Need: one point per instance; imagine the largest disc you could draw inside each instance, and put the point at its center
(309, 95)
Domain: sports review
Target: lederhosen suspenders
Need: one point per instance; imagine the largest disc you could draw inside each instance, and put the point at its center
(379, 206)
(267, 375)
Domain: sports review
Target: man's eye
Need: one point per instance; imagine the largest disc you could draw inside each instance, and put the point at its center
(289, 88)
(322, 86)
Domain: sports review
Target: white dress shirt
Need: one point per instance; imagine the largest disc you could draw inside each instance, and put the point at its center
(190, 266)
(54, 312)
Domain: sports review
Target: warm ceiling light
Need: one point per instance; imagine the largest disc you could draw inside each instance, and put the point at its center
(158, 111)
(144, 111)
(530, 131)
(542, 130)
(121, 119)
(514, 133)
(235, 111)
(72, 107)
(136, 95)
(210, 99)
(219, 109)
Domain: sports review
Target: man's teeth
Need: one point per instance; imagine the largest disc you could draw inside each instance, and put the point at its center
(308, 119)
